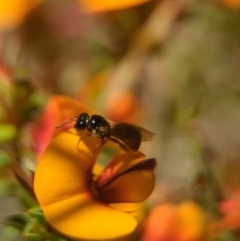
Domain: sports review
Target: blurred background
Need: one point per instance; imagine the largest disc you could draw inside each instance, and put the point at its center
(171, 66)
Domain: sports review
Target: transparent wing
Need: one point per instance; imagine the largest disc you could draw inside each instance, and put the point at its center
(146, 135)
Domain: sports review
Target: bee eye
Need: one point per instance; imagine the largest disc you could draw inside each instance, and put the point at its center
(82, 121)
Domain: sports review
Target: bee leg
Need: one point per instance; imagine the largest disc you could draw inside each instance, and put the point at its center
(103, 141)
(97, 147)
(81, 137)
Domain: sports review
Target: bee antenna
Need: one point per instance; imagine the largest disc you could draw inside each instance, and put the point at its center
(74, 118)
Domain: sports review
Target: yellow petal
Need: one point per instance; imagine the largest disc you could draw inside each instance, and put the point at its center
(106, 5)
(134, 186)
(83, 218)
(136, 210)
(66, 166)
(62, 186)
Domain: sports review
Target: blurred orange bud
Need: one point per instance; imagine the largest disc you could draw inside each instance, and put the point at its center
(13, 12)
(122, 105)
(185, 222)
(108, 5)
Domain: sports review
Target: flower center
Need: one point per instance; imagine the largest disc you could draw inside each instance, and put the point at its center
(93, 189)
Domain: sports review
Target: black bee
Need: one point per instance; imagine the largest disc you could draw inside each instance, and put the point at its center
(128, 136)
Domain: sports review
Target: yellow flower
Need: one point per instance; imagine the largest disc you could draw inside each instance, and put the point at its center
(82, 202)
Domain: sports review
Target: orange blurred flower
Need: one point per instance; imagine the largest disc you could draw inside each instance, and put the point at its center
(231, 212)
(85, 201)
(122, 105)
(185, 222)
(13, 12)
(108, 5)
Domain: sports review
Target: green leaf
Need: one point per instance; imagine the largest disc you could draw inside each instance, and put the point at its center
(37, 213)
(29, 227)
(25, 197)
(6, 188)
(33, 237)
(7, 132)
(17, 221)
(35, 210)
(10, 233)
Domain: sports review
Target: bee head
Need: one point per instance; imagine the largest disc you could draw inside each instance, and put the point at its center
(82, 121)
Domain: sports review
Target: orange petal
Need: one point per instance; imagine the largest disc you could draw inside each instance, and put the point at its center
(134, 186)
(98, 6)
(121, 162)
(62, 187)
(125, 160)
(43, 128)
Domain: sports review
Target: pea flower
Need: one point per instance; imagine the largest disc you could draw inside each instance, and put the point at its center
(83, 201)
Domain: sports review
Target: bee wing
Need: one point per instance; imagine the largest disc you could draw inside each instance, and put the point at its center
(126, 135)
(146, 135)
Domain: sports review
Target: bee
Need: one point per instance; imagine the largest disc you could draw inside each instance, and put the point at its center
(126, 135)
